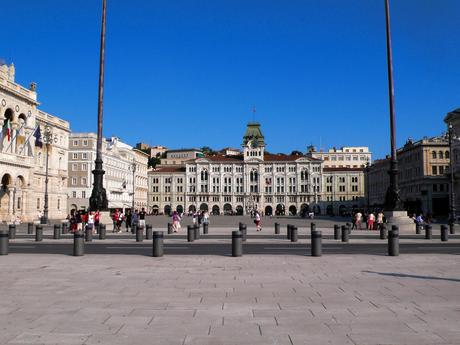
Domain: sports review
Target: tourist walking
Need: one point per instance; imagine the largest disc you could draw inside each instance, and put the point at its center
(128, 219)
(257, 221)
(176, 221)
(370, 221)
(142, 214)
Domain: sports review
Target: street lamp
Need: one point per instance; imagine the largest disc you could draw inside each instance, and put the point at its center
(98, 199)
(452, 192)
(133, 167)
(392, 199)
(48, 139)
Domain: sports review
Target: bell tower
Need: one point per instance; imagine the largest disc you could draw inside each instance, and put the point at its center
(253, 142)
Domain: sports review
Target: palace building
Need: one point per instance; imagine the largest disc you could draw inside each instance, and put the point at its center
(239, 183)
(24, 154)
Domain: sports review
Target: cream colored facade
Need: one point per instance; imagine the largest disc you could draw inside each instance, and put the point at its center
(345, 157)
(119, 162)
(22, 163)
(423, 177)
(344, 190)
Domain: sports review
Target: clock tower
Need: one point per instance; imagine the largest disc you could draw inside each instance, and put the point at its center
(253, 142)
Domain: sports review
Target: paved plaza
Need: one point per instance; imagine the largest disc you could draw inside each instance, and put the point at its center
(198, 294)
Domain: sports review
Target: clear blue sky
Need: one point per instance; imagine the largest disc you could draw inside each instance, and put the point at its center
(187, 73)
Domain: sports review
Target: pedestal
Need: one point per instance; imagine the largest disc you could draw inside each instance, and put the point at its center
(106, 220)
(401, 219)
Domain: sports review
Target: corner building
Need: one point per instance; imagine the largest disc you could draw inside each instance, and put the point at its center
(23, 159)
(239, 184)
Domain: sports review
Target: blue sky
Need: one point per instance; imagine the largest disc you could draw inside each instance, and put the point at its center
(187, 73)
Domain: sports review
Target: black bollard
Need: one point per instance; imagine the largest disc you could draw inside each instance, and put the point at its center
(102, 231)
(418, 228)
(336, 232)
(30, 228)
(277, 228)
(38, 233)
(78, 244)
(12, 231)
(4, 242)
(65, 228)
(190, 233)
(345, 233)
(294, 234)
(205, 228)
(383, 232)
(139, 234)
(197, 232)
(444, 233)
(57, 232)
(88, 234)
(316, 243)
(312, 227)
(237, 243)
(288, 228)
(148, 232)
(393, 241)
(170, 228)
(428, 233)
(244, 231)
(452, 228)
(157, 250)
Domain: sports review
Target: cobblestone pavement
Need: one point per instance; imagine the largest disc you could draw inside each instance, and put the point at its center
(254, 299)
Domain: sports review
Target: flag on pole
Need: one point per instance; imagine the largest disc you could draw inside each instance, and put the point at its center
(7, 128)
(38, 137)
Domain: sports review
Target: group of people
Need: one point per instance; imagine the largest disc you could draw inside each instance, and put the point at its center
(82, 220)
(372, 220)
(131, 218)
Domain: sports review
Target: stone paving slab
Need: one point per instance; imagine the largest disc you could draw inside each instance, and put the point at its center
(192, 299)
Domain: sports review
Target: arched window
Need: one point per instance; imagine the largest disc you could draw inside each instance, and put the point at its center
(433, 154)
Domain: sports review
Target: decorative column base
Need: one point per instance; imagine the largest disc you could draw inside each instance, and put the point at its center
(401, 219)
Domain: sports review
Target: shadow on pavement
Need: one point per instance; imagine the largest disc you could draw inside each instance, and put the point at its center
(404, 275)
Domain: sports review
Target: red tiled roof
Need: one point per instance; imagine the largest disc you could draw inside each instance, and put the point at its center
(343, 169)
(170, 169)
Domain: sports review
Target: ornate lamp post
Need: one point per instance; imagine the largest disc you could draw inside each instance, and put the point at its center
(392, 199)
(133, 168)
(98, 199)
(48, 139)
(451, 166)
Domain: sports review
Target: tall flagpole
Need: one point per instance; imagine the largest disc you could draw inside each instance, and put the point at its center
(98, 199)
(392, 199)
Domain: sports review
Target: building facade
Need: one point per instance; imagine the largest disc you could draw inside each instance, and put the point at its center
(125, 178)
(344, 190)
(23, 154)
(350, 157)
(423, 177)
(239, 184)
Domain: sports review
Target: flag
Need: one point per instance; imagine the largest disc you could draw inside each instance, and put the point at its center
(7, 128)
(38, 137)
